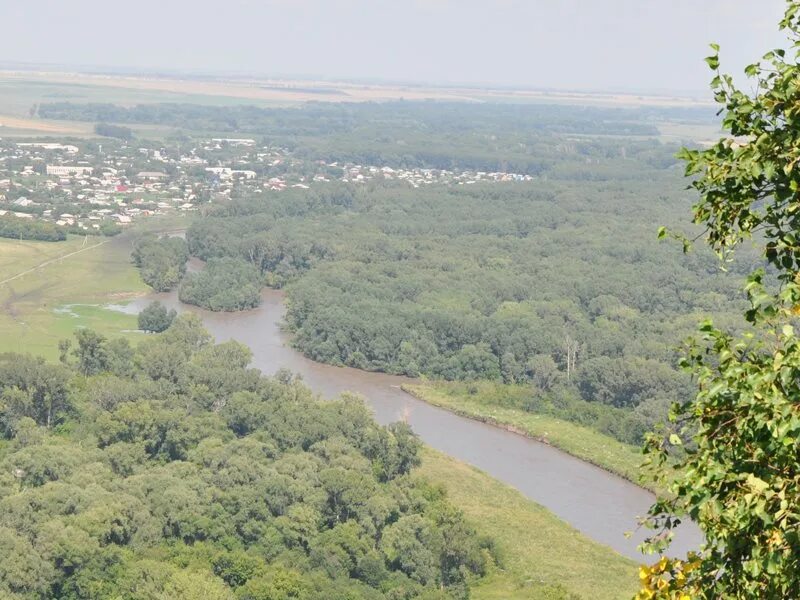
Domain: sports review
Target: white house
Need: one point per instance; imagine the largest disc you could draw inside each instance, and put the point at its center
(67, 170)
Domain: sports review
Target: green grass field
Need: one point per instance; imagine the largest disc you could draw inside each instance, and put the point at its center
(47, 304)
(582, 442)
(18, 94)
(541, 556)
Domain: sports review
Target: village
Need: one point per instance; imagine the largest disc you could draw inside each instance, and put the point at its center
(101, 186)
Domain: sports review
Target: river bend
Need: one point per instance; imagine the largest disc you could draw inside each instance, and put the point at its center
(601, 505)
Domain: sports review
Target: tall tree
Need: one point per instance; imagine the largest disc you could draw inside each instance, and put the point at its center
(739, 478)
(92, 352)
(155, 317)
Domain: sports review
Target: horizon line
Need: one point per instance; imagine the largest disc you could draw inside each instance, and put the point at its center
(365, 80)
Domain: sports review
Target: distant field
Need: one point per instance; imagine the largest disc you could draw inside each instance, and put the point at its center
(10, 124)
(25, 127)
(540, 552)
(21, 89)
(49, 303)
(19, 92)
(676, 132)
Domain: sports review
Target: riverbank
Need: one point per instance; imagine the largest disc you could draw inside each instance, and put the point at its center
(541, 556)
(601, 505)
(581, 442)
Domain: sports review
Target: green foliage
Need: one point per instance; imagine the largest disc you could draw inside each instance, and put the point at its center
(108, 229)
(740, 476)
(114, 131)
(30, 229)
(155, 317)
(162, 261)
(627, 381)
(227, 284)
(96, 354)
(481, 282)
(92, 352)
(31, 389)
(212, 481)
(544, 371)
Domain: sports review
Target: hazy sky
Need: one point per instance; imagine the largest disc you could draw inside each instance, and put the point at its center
(586, 44)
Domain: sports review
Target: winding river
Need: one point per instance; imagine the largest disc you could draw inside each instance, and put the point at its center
(599, 504)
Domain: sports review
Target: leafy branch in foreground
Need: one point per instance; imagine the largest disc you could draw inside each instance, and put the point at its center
(739, 478)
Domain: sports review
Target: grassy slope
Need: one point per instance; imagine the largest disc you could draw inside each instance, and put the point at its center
(579, 441)
(539, 552)
(30, 319)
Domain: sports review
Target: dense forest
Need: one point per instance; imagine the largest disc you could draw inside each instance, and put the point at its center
(227, 283)
(514, 282)
(172, 470)
(161, 261)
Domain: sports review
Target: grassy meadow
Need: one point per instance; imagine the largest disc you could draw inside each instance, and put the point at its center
(541, 556)
(61, 289)
(581, 442)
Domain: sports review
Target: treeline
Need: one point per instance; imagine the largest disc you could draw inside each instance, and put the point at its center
(106, 228)
(114, 131)
(314, 119)
(516, 283)
(533, 138)
(30, 229)
(172, 470)
(161, 261)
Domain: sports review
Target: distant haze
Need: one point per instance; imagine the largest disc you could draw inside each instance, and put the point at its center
(629, 45)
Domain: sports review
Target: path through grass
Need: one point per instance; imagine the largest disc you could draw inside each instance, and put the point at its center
(87, 275)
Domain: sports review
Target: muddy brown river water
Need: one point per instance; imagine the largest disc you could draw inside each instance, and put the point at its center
(599, 504)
